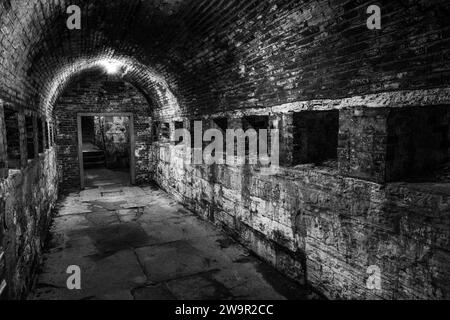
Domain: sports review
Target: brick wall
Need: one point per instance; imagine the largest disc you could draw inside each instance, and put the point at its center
(236, 54)
(97, 93)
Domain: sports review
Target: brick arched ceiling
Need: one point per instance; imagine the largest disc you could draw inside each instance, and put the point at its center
(221, 53)
(143, 77)
(155, 39)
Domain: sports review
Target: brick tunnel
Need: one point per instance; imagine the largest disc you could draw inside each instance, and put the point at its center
(109, 112)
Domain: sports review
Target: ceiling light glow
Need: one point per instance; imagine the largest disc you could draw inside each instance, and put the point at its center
(111, 67)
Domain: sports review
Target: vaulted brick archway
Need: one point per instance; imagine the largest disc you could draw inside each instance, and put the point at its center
(94, 93)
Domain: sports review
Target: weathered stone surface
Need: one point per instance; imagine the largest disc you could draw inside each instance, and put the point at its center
(325, 229)
(29, 197)
(163, 252)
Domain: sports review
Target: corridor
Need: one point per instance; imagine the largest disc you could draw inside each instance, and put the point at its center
(293, 142)
(138, 243)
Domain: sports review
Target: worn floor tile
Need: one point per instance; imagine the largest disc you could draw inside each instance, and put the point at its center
(138, 243)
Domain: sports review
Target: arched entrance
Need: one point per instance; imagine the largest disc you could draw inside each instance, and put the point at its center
(96, 94)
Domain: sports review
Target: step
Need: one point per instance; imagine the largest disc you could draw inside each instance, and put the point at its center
(98, 163)
(92, 152)
(94, 156)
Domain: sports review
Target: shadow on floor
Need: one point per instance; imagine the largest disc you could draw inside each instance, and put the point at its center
(100, 177)
(138, 243)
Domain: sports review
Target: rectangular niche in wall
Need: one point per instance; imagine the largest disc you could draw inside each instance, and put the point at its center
(222, 125)
(29, 129)
(315, 136)
(192, 132)
(179, 125)
(418, 143)
(165, 130)
(40, 135)
(52, 134)
(257, 123)
(46, 135)
(12, 138)
(155, 131)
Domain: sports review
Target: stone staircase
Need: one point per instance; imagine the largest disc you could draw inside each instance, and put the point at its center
(93, 156)
(94, 159)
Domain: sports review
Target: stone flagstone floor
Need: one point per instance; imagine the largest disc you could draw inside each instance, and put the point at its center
(138, 243)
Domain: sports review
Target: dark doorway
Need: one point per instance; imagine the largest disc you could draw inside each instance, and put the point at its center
(107, 144)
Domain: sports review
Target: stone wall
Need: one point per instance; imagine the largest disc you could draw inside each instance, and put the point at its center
(28, 192)
(12, 138)
(326, 226)
(96, 93)
(27, 197)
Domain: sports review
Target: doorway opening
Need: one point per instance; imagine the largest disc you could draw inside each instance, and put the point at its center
(106, 150)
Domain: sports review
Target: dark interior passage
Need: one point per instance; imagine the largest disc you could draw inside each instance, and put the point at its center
(106, 150)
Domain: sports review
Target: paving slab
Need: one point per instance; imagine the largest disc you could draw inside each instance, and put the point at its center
(139, 243)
